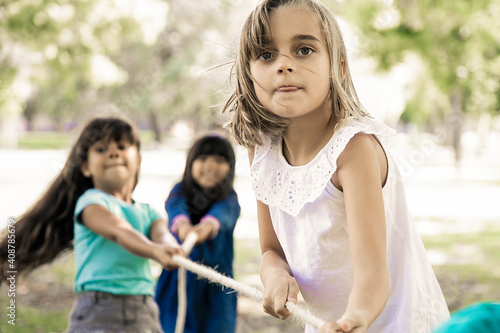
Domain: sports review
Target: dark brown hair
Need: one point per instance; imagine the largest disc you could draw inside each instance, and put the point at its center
(45, 230)
(200, 199)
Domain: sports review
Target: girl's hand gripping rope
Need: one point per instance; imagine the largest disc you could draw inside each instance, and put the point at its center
(289, 305)
(164, 254)
(281, 288)
(350, 322)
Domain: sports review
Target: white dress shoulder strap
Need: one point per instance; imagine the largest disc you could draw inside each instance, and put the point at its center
(277, 183)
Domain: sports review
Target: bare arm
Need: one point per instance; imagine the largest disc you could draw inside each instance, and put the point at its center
(361, 173)
(104, 223)
(159, 233)
(279, 284)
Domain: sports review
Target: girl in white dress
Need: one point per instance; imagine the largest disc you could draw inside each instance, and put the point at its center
(332, 213)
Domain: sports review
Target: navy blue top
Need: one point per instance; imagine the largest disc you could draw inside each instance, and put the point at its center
(210, 307)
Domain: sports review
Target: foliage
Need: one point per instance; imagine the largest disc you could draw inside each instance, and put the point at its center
(457, 41)
(56, 56)
(53, 44)
(163, 79)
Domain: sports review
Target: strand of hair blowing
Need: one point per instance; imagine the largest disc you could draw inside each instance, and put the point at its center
(45, 231)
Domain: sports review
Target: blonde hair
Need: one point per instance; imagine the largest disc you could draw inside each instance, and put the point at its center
(250, 118)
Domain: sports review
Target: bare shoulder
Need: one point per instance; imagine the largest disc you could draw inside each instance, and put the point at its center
(361, 154)
(361, 146)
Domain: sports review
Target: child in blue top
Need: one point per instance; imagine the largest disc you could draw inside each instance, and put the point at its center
(203, 202)
(90, 204)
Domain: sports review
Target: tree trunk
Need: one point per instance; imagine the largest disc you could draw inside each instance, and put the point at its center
(456, 123)
(155, 126)
(30, 110)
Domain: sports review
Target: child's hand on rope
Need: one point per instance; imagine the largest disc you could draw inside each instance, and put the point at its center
(348, 323)
(208, 228)
(164, 253)
(204, 231)
(184, 229)
(280, 289)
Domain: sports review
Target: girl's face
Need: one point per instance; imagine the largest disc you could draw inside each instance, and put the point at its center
(209, 170)
(292, 76)
(112, 165)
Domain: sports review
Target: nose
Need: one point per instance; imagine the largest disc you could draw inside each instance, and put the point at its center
(284, 64)
(209, 164)
(113, 151)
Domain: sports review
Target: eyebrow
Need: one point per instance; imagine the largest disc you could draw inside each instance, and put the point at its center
(305, 37)
(296, 38)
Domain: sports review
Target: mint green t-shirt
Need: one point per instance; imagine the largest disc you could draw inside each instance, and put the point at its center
(102, 265)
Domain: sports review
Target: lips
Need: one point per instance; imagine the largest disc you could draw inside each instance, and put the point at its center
(114, 165)
(288, 88)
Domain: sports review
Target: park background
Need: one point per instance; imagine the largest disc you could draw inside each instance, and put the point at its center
(429, 69)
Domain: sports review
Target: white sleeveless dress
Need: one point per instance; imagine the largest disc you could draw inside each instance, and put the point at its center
(309, 218)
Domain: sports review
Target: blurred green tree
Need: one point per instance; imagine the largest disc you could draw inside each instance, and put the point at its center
(458, 43)
(61, 58)
(48, 49)
(164, 80)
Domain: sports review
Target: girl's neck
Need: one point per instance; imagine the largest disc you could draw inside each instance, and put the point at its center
(303, 139)
(123, 194)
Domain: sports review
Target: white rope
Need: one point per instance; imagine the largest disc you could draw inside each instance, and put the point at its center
(182, 299)
(213, 276)
(187, 246)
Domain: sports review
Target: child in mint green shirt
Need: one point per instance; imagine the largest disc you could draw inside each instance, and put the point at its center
(89, 206)
(102, 264)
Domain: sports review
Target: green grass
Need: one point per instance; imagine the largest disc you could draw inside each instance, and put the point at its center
(246, 251)
(246, 257)
(470, 272)
(44, 140)
(64, 269)
(44, 299)
(62, 140)
(31, 319)
(479, 247)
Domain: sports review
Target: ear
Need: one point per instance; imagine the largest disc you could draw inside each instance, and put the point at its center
(84, 168)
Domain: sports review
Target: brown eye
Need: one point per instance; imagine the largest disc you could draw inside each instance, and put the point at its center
(100, 149)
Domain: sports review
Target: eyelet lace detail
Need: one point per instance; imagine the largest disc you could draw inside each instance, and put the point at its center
(277, 183)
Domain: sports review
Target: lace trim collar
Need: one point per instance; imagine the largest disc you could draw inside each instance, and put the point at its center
(279, 184)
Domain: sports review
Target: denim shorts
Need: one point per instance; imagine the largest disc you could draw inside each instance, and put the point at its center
(100, 312)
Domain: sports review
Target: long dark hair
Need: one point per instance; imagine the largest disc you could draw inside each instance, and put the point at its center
(200, 199)
(45, 230)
